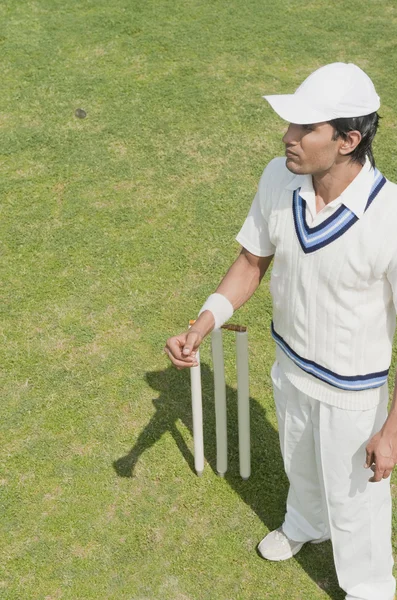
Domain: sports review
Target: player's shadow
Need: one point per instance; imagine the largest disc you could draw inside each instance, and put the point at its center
(265, 491)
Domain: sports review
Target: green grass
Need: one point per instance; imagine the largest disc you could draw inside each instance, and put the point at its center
(113, 230)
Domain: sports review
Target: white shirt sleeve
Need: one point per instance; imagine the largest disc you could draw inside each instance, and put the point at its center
(254, 234)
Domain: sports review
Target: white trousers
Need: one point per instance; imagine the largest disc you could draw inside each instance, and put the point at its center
(323, 449)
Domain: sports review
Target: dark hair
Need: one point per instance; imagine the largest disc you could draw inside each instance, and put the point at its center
(367, 126)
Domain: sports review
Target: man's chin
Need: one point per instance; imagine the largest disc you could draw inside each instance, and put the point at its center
(294, 167)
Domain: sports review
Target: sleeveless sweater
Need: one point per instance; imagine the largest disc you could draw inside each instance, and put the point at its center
(333, 288)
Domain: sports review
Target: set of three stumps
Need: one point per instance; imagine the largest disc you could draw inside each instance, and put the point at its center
(243, 406)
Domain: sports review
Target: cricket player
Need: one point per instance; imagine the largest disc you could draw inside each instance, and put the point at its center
(327, 217)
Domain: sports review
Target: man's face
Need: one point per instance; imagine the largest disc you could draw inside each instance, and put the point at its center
(310, 149)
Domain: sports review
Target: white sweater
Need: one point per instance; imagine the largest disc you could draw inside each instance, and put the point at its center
(333, 281)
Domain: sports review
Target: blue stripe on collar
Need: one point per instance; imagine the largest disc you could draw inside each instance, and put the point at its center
(312, 239)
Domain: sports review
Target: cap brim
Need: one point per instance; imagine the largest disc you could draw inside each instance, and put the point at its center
(292, 109)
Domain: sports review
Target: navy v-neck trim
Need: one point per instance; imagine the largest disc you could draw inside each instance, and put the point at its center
(314, 238)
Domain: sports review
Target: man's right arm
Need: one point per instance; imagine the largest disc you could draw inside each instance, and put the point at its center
(238, 285)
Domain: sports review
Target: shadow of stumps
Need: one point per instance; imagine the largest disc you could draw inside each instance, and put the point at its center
(265, 491)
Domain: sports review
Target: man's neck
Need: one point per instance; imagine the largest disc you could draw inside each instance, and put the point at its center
(329, 185)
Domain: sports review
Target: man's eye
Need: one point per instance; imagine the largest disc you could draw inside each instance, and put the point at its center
(308, 127)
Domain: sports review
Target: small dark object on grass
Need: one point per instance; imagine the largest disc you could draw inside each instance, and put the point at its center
(80, 113)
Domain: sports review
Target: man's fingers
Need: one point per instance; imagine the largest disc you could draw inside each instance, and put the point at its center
(378, 476)
(380, 472)
(181, 349)
(175, 347)
(369, 458)
(192, 342)
(380, 457)
(181, 364)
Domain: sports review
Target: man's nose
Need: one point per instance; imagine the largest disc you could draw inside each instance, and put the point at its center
(291, 135)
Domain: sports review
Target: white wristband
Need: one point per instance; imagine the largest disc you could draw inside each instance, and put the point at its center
(221, 308)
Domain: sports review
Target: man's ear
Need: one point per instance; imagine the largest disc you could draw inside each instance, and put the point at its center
(350, 143)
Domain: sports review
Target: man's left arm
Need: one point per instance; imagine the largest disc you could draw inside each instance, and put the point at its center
(381, 450)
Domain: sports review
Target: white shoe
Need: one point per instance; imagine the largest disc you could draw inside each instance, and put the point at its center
(276, 546)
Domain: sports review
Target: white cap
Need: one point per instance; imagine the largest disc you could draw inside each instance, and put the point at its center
(334, 91)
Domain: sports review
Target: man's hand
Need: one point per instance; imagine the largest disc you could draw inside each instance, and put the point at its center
(238, 285)
(181, 349)
(381, 456)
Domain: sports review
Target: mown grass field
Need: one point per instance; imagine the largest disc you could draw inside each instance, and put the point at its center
(113, 230)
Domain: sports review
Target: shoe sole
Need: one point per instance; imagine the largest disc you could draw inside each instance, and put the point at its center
(286, 556)
(294, 551)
